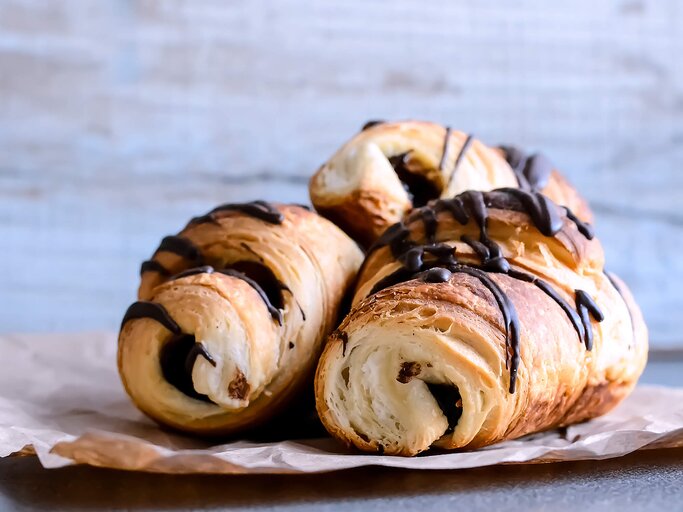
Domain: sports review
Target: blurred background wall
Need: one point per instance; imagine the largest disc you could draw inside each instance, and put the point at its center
(121, 119)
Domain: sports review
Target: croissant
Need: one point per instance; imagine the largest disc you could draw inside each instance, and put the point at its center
(231, 316)
(479, 318)
(388, 168)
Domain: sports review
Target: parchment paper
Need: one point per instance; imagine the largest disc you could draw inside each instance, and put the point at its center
(60, 396)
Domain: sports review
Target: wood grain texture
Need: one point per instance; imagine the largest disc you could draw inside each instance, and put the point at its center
(119, 120)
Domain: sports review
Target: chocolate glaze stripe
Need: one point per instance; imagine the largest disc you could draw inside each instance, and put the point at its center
(248, 248)
(174, 244)
(586, 306)
(154, 266)
(490, 254)
(427, 216)
(205, 269)
(532, 172)
(286, 288)
(544, 214)
(446, 148)
(456, 208)
(259, 209)
(510, 318)
(275, 313)
(413, 258)
(198, 349)
(611, 278)
(581, 324)
(537, 171)
(472, 204)
(153, 310)
(516, 159)
(584, 228)
(580, 321)
(463, 150)
(181, 246)
(371, 123)
(506, 306)
(446, 256)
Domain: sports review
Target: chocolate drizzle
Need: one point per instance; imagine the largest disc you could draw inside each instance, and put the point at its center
(370, 124)
(584, 228)
(532, 171)
(153, 310)
(463, 150)
(174, 244)
(204, 269)
(177, 358)
(260, 209)
(613, 281)
(446, 148)
(248, 248)
(580, 323)
(586, 306)
(153, 266)
(442, 261)
(179, 353)
(419, 187)
(274, 311)
(181, 246)
(255, 274)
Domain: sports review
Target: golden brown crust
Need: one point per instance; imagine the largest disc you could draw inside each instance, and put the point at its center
(364, 215)
(359, 190)
(261, 365)
(454, 332)
(562, 192)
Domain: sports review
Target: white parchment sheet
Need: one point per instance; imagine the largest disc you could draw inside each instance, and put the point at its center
(60, 396)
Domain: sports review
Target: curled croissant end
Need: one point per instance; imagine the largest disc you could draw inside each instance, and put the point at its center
(389, 168)
(478, 319)
(232, 315)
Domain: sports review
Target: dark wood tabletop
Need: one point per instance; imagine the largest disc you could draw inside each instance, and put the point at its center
(646, 480)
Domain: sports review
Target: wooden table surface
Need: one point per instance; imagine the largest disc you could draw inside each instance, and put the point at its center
(647, 480)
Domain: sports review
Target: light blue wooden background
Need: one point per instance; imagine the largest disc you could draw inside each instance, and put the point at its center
(121, 119)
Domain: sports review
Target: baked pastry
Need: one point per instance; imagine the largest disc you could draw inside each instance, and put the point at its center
(231, 316)
(388, 168)
(478, 319)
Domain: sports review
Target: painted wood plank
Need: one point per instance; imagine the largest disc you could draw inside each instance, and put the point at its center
(120, 120)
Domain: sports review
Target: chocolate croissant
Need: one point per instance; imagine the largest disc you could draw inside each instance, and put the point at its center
(388, 168)
(478, 319)
(231, 315)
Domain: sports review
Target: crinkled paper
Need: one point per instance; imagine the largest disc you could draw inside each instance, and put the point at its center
(60, 397)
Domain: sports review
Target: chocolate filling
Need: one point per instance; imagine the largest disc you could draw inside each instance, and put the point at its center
(419, 187)
(447, 397)
(407, 371)
(239, 387)
(177, 357)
